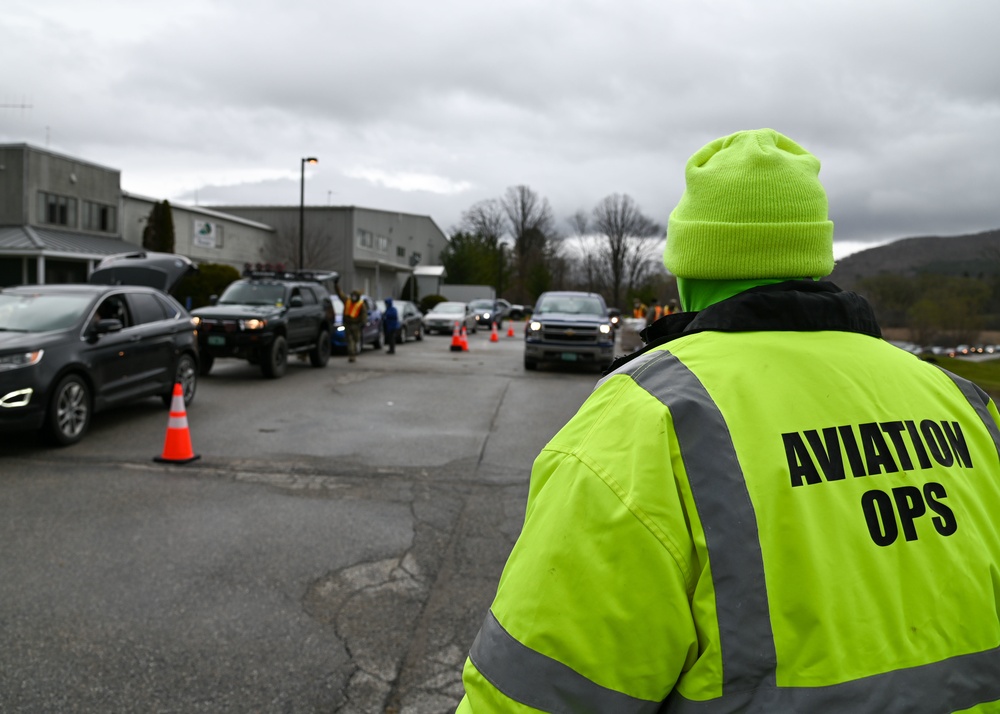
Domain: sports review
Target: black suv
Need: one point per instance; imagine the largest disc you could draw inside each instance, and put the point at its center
(265, 316)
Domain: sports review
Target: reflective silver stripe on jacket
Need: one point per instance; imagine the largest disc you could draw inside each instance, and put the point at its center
(539, 681)
(746, 638)
(978, 399)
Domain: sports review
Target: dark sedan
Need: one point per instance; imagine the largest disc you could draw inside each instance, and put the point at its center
(411, 320)
(69, 351)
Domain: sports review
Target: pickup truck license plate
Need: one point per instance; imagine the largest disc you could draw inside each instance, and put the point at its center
(217, 340)
(569, 356)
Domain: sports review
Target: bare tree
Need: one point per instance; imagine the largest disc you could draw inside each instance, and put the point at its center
(627, 235)
(485, 219)
(317, 247)
(591, 275)
(531, 224)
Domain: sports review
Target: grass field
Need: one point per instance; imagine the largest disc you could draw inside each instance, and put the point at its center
(986, 373)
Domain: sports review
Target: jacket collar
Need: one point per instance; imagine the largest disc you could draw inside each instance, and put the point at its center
(791, 306)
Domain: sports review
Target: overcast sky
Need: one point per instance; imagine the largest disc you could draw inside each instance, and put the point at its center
(429, 107)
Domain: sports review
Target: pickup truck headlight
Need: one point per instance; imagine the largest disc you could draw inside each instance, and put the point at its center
(605, 329)
(20, 359)
(253, 324)
(534, 326)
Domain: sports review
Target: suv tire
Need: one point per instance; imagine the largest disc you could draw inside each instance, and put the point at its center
(205, 365)
(320, 354)
(274, 358)
(70, 410)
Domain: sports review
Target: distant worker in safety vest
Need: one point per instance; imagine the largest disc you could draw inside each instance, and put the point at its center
(654, 312)
(355, 318)
(768, 508)
(638, 310)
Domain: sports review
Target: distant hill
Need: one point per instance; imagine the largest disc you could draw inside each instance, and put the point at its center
(973, 255)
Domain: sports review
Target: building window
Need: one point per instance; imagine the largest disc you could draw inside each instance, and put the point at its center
(99, 217)
(400, 251)
(366, 239)
(383, 244)
(56, 210)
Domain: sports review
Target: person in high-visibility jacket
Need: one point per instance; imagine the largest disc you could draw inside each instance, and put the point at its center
(355, 318)
(768, 508)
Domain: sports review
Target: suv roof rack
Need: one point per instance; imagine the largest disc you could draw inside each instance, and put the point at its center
(315, 276)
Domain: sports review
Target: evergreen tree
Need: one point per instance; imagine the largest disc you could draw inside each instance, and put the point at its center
(158, 235)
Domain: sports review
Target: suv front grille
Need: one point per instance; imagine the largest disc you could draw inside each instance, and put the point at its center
(576, 334)
(214, 325)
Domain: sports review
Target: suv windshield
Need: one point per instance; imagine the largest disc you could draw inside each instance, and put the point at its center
(253, 294)
(41, 313)
(571, 305)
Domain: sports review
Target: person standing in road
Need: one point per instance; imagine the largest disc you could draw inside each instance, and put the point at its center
(654, 312)
(355, 318)
(390, 323)
(768, 508)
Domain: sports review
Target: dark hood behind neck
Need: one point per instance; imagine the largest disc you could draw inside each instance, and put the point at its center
(791, 306)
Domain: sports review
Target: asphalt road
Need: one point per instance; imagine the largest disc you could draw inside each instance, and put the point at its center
(333, 549)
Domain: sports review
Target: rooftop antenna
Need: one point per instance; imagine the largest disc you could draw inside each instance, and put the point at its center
(22, 105)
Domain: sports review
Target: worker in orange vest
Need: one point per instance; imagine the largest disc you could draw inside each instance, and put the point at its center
(355, 318)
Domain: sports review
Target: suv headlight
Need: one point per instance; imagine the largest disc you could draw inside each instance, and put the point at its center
(605, 329)
(20, 359)
(253, 324)
(534, 326)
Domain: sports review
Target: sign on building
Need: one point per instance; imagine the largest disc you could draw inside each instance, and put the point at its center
(207, 234)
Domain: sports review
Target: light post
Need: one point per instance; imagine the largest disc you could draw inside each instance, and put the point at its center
(302, 209)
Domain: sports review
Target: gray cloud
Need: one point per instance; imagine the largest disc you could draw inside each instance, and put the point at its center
(430, 107)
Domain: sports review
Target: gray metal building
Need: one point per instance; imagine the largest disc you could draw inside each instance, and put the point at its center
(374, 251)
(59, 216)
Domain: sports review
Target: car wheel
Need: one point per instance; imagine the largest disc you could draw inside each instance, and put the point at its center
(69, 412)
(275, 358)
(187, 375)
(418, 335)
(401, 337)
(205, 365)
(530, 363)
(320, 354)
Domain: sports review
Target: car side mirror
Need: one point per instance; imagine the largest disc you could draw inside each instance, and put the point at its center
(213, 299)
(102, 327)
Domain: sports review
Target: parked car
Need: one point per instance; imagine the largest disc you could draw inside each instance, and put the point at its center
(489, 311)
(70, 351)
(569, 327)
(265, 316)
(371, 333)
(411, 320)
(443, 316)
(519, 312)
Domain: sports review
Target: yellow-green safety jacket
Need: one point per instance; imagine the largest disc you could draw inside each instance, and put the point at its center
(771, 509)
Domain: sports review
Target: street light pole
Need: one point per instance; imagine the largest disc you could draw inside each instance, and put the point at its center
(302, 209)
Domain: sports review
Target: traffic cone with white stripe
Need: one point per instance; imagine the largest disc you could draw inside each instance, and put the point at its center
(464, 337)
(510, 329)
(177, 446)
(494, 337)
(456, 340)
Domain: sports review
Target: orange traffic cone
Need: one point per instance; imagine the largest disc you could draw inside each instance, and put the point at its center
(510, 329)
(494, 337)
(456, 340)
(464, 337)
(177, 447)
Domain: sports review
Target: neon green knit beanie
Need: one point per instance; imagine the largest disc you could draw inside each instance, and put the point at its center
(753, 208)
